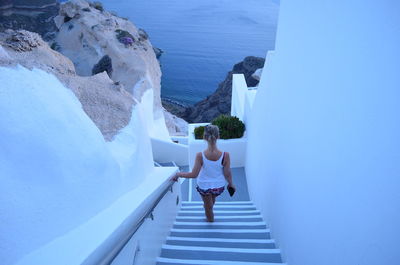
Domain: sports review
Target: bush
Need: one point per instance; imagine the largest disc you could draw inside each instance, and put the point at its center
(229, 126)
(199, 132)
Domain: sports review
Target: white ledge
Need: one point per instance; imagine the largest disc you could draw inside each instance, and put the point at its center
(89, 242)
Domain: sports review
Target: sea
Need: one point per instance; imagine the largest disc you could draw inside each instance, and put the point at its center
(201, 39)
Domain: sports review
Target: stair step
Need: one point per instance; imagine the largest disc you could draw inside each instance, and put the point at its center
(222, 233)
(168, 261)
(217, 253)
(221, 207)
(233, 218)
(218, 203)
(219, 223)
(214, 225)
(221, 242)
(217, 213)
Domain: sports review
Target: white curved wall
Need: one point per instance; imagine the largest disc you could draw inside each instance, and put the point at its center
(56, 170)
(323, 157)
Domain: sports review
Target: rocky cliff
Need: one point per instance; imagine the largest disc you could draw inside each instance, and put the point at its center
(33, 15)
(97, 41)
(220, 101)
(90, 36)
(108, 104)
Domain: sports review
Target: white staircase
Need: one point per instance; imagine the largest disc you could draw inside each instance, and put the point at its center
(238, 236)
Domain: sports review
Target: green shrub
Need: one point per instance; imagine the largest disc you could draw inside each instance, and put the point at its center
(199, 132)
(229, 126)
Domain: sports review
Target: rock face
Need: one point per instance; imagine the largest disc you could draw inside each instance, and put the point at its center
(105, 64)
(257, 74)
(87, 33)
(108, 104)
(158, 52)
(220, 101)
(32, 15)
(95, 41)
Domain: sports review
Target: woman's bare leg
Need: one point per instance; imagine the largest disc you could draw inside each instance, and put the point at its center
(208, 207)
(213, 199)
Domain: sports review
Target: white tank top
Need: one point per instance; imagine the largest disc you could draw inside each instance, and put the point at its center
(211, 175)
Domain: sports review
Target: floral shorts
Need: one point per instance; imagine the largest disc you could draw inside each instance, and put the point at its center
(214, 191)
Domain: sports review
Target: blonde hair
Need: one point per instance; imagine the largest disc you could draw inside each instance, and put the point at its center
(211, 133)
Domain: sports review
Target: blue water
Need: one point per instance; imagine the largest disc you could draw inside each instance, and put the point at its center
(202, 39)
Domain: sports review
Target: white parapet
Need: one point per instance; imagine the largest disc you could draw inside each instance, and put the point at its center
(235, 147)
(168, 151)
(96, 239)
(239, 89)
(242, 98)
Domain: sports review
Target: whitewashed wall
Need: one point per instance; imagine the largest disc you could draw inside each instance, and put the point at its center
(242, 98)
(57, 174)
(323, 157)
(168, 151)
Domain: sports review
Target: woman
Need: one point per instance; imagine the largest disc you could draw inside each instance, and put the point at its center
(214, 168)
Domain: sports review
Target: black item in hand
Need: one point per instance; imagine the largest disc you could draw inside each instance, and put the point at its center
(231, 190)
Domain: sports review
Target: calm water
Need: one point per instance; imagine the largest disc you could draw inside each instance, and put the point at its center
(202, 39)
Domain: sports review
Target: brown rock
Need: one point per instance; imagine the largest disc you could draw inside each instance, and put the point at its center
(109, 105)
(220, 101)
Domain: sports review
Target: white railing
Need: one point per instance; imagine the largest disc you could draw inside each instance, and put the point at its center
(142, 243)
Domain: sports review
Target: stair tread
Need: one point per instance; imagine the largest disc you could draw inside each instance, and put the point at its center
(218, 202)
(233, 206)
(219, 211)
(219, 223)
(222, 230)
(211, 262)
(219, 249)
(238, 240)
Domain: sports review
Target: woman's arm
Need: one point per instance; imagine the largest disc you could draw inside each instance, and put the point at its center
(195, 171)
(227, 169)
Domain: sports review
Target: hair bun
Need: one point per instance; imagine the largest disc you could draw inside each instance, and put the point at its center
(211, 133)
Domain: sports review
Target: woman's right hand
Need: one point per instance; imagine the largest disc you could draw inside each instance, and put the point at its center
(176, 177)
